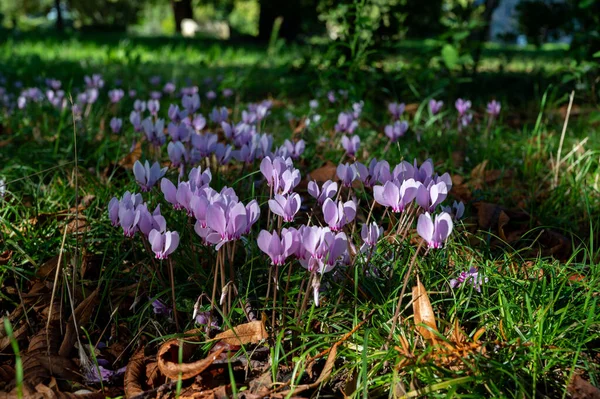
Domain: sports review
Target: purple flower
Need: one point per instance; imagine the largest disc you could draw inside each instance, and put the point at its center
(139, 106)
(337, 216)
(346, 123)
(331, 96)
(357, 109)
(457, 210)
(116, 95)
(159, 308)
(466, 119)
(136, 121)
(396, 110)
(153, 107)
(163, 244)
(223, 153)
(351, 145)
(313, 104)
(116, 124)
(128, 219)
(132, 93)
(428, 197)
(493, 108)
(199, 123)
(278, 248)
(435, 106)
(177, 153)
(225, 222)
(178, 132)
(397, 130)
(155, 95)
(370, 234)
(329, 190)
(395, 195)
(219, 115)
(205, 143)
(294, 150)
(147, 176)
(199, 178)
(347, 174)
(191, 103)
(462, 106)
(154, 132)
(227, 93)
(376, 172)
(435, 232)
(286, 207)
(95, 81)
(175, 114)
(151, 221)
(471, 276)
(211, 95)
(154, 80)
(113, 210)
(169, 88)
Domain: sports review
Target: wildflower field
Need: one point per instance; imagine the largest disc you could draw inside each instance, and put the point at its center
(234, 221)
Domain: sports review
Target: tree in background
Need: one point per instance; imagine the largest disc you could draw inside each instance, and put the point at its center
(299, 16)
(106, 14)
(182, 9)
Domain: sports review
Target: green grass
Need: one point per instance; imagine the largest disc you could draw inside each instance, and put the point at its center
(540, 325)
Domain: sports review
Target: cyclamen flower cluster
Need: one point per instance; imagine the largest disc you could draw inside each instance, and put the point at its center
(318, 249)
(133, 215)
(220, 216)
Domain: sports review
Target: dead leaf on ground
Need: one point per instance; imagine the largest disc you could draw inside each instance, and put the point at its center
(134, 374)
(423, 313)
(249, 333)
(5, 256)
(129, 160)
(581, 389)
(169, 365)
(326, 172)
(83, 313)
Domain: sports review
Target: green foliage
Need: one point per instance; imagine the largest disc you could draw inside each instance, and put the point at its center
(117, 14)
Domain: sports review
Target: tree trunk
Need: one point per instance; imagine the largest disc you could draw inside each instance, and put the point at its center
(182, 9)
(60, 25)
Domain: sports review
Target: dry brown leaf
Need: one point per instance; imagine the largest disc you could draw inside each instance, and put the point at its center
(130, 159)
(134, 374)
(5, 257)
(18, 334)
(168, 363)
(249, 333)
(423, 313)
(83, 312)
(581, 389)
(326, 172)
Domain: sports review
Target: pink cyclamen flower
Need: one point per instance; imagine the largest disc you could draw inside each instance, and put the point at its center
(472, 276)
(346, 123)
(116, 124)
(395, 195)
(396, 110)
(116, 95)
(151, 221)
(294, 150)
(435, 106)
(286, 207)
(462, 106)
(397, 130)
(338, 215)
(435, 232)
(328, 190)
(219, 115)
(147, 176)
(351, 145)
(169, 87)
(493, 108)
(457, 210)
(177, 153)
(428, 197)
(370, 234)
(347, 174)
(153, 107)
(278, 248)
(163, 244)
(227, 93)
